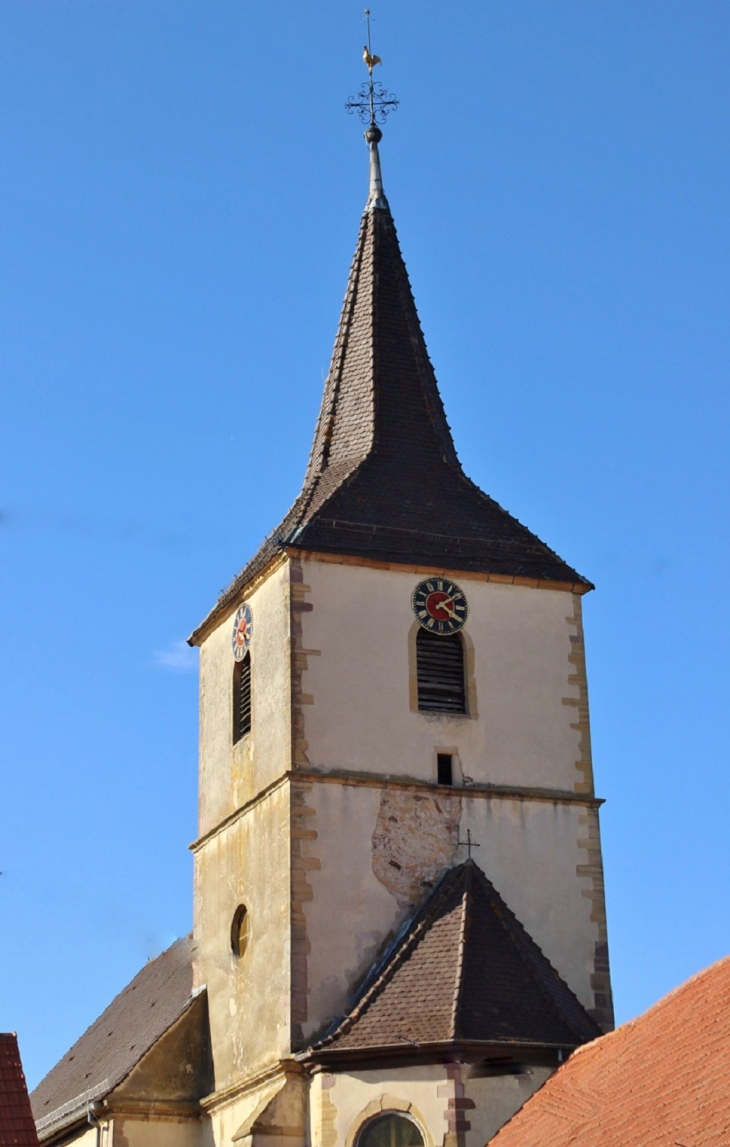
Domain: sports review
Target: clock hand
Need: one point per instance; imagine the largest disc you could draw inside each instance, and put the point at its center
(444, 604)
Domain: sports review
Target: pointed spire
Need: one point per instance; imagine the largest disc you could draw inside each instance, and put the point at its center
(384, 481)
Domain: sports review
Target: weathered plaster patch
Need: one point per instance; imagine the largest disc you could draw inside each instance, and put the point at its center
(415, 839)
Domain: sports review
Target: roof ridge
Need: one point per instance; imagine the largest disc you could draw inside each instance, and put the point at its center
(419, 349)
(459, 971)
(528, 947)
(411, 930)
(322, 438)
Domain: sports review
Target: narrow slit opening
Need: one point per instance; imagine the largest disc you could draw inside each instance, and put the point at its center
(444, 769)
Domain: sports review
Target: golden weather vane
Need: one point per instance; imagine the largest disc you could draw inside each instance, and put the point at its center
(368, 57)
(373, 103)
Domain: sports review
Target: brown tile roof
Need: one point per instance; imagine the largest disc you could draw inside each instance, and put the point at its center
(465, 971)
(383, 480)
(17, 1128)
(660, 1080)
(115, 1043)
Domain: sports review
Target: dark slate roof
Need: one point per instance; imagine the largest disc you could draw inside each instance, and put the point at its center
(116, 1042)
(17, 1128)
(465, 971)
(383, 480)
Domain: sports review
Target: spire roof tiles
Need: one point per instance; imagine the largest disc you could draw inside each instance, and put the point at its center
(384, 481)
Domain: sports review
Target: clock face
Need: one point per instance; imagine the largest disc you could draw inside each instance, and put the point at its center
(242, 631)
(440, 605)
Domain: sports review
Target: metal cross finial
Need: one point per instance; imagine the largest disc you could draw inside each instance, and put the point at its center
(468, 843)
(373, 102)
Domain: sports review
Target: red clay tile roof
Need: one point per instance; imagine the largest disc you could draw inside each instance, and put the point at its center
(17, 1128)
(465, 971)
(659, 1081)
(110, 1048)
(383, 480)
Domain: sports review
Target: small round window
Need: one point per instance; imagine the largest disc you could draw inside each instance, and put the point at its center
(390, 1131)
(239, 930)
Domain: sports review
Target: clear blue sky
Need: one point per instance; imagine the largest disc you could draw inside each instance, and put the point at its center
(181, 191)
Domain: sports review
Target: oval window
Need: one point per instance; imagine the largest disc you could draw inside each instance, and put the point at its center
(390, 1131)
(239, 930)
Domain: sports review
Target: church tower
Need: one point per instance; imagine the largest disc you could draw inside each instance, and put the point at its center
(400, 928)
(399, 908)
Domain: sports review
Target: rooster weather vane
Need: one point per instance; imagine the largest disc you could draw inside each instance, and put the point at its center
(373, 103)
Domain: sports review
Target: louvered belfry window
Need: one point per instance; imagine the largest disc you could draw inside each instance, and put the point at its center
(242, 698)
(440, 670)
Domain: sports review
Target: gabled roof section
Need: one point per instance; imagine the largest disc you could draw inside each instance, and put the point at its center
(660, 1079)
(384, 481)
(17, 1128)
(115, 1043)
(465, 972)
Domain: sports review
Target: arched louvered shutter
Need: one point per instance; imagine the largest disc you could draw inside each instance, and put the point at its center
(242, 698)
(440, 671)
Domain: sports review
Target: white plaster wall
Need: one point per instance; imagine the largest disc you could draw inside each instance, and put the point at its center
(351, 913)
(497, 1099)
(361, 717)
(230, 775)
(159, 1133)
(530, 851)
(87, 1137)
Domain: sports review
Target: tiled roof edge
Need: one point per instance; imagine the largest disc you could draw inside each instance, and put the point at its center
(71, 1111)
(529, 948)
(393, 957)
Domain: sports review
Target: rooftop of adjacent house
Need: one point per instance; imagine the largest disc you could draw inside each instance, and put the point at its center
(384, 481)
(659, 1081)
(118, 1039)
(17, 1127)
(464, 971)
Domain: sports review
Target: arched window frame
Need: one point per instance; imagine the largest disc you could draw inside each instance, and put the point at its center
(441, 673)
(472, 708)
(405, 1116)
(242, 697)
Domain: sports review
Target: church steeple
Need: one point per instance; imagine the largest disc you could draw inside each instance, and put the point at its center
(384, 481)
(381, 404)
